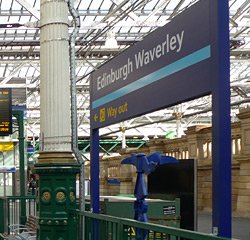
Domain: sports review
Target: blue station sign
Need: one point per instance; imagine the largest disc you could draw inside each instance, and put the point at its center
(171, 65)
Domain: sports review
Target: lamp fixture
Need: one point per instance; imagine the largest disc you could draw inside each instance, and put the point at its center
(111, 42)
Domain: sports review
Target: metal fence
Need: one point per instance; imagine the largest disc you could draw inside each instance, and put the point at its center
(104, 227)
(14, 204)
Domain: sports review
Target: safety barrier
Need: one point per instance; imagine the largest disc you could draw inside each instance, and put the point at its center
(104, 227)
(10, 212)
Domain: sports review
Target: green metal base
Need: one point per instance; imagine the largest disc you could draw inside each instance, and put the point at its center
(57, 199)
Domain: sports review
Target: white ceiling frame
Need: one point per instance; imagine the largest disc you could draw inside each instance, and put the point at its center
(244, 7)
(8, 78)
(15, 51)
(138, 23)
(21, 85)
(29, 8)
(132, 15)
(146, 22)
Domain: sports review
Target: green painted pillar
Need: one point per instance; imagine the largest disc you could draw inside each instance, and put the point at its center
(19, 116)
(57, 196)
(3, 217)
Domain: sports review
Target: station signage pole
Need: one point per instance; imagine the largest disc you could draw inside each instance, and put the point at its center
(191, 50)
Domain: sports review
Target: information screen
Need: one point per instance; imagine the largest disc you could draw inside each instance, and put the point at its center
(5, 112)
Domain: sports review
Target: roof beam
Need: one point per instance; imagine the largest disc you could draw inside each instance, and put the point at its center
(146, 21)
(132, 15)
(244, 7)
(5, 80)
(15, 85)
(29, 8)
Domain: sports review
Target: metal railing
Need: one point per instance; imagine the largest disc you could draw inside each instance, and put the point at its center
(14, 205)
(104, 227)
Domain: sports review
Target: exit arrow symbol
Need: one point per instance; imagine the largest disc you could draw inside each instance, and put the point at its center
(95, 117)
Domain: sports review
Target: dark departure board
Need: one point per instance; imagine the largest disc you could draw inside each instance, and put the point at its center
(5, 112)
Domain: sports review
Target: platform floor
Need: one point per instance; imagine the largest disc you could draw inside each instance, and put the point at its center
(240, 226)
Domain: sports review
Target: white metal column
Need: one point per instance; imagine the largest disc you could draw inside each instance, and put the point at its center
(55, 86)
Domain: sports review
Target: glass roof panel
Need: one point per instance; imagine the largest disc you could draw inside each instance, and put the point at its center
(6, 5)
(15, 5)
(235, 5)
(131, 27)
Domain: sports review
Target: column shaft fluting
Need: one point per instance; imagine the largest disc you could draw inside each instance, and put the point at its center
(55, 86)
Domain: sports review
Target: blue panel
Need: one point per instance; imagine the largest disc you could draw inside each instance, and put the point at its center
(7, 169)
(94, 172)
(221, 131)
(172, 57)
(166, 71)
(155, 73)
(113, 181)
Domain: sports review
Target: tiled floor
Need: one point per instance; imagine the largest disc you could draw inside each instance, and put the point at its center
(240, 226)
